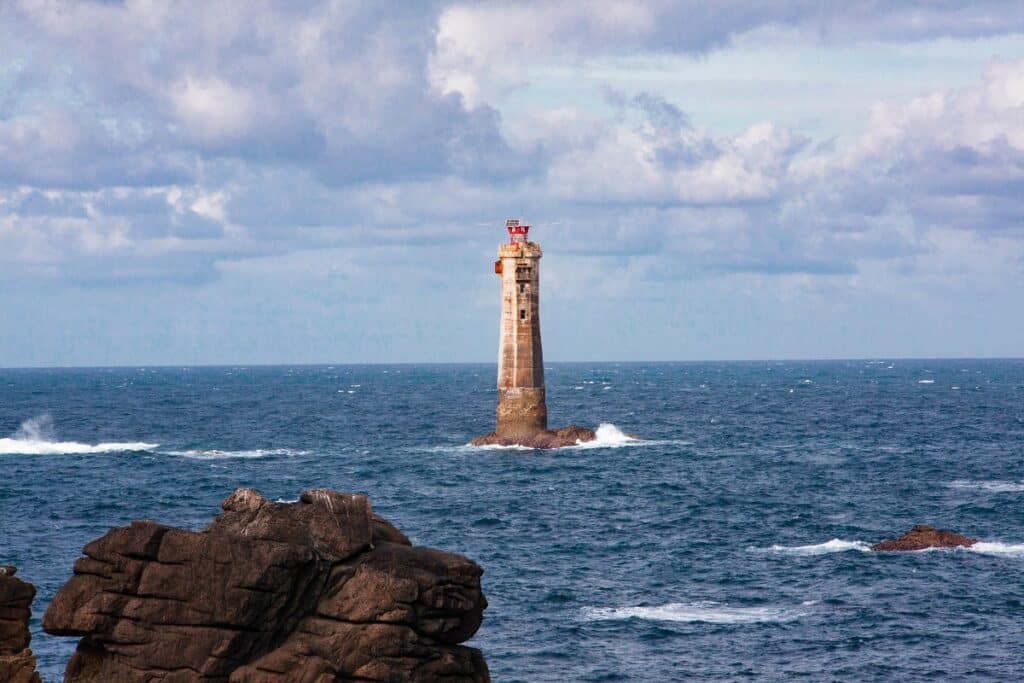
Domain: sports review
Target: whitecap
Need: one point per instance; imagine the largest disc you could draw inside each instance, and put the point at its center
(926, 381)
(990, 486)
(34, 437)
(34, 447)
(216, 454)
(704, 611)
(608, 435)
(996, 548)
(836, 545)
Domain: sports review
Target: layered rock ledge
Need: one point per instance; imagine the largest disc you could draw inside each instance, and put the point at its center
(17, 663)
(315, 591)
(542, 438)
(922, 537)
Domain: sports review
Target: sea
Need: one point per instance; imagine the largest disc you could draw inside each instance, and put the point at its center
(728, 541)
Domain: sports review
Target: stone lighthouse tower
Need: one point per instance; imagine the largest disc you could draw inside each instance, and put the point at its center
(522, 410)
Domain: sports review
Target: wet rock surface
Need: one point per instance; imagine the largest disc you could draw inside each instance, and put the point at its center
(17, 663)
(545, 438)
(319, 590)
(921, 537)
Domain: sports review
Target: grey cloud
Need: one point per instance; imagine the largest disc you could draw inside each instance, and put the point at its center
(318, 125)
(341, 88)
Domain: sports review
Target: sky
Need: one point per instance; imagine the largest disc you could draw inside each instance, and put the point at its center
(327, 181)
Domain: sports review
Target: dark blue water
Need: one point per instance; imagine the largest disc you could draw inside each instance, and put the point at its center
(694, 554)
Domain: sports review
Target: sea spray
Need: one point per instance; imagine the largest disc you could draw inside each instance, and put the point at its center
(35, 436)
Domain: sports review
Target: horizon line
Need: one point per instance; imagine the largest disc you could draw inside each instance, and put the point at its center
(495, 363)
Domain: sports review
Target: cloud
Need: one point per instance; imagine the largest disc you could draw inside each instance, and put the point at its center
(338, 87)
(486, 47)
(159, 140)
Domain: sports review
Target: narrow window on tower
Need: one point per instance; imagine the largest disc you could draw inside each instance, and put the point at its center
(522, 289)
(522, 314)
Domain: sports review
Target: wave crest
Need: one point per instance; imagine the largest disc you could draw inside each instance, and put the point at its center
(990, 486)
(703, 611)
(35, 436)
(836, 545)
(608, 435)
(216, 454)
(995, 548)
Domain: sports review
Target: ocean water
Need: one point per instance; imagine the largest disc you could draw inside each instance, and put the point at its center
(728, 542)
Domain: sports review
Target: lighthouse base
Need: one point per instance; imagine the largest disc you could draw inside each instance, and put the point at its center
(522, 411)
(541, 438)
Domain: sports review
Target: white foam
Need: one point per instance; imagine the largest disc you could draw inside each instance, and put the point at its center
(990, 486)
(608, 435)
(31, 447)
(495, 447)
(995, 548)
(982, 548)
(216, 454)
(704, 611)
(35, 437)
(926, 381)
(836, 545)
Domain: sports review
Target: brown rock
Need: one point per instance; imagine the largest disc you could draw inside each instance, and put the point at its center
(922, 536)
(319, 590)
(545, 438)
(17, 663)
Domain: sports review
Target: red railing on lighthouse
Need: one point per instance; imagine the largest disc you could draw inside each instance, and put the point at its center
(517, 231)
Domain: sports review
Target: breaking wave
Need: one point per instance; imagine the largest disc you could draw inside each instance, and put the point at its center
(35, 437)
(990, 486)
(836, 545)
(704, 612)
(216, 454)
(994, 548)
(609, 436)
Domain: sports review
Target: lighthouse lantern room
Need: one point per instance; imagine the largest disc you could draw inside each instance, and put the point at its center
(517, 231)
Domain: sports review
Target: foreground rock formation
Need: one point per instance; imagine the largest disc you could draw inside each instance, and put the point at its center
(541, 438)
(315, 591)
(921, 537)
(17, 663)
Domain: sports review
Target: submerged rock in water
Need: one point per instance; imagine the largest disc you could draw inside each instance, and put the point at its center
(319, 590)
(545, 438)
(17, 663)
(922, 536)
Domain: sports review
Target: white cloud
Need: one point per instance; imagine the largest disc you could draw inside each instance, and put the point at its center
(157, 140)
(211, 109)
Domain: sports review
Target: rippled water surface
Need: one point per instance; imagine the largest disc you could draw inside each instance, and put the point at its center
(729, 542)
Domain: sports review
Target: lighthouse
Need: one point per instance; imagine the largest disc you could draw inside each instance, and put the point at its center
(522, 408)
(522, 411)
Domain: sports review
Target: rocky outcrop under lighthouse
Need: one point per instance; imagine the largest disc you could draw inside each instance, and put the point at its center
(309, 592)
(542, 438)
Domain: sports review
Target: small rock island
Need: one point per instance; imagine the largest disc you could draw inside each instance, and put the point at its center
(522, 415)
(922, 537)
